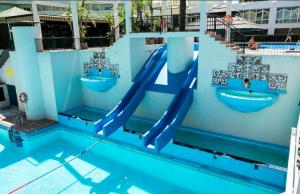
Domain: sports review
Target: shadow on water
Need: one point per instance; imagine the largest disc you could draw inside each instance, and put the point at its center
(89, 171)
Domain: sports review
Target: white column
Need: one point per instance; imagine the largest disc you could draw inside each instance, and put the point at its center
(75, 24)
(164, 5)
(180, 53)
(203, 18)
(128, 16)
(228, 13)
(164, 12)
(27, 71)
(116, 19)
(272, 19)
(36, 20)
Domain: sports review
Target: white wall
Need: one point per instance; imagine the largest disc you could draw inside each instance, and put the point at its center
(180, 53)
(47, 83)
(66, 72)
(118, 54)
(27, 70)
(271, 125)
(139, 48)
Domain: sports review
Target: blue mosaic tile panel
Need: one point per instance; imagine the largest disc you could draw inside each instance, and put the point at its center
(250, 68)
(100, 62)
(220, 77)
(277, 81)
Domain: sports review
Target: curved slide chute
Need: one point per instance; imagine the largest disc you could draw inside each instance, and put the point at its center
(116, 117)
(163, 130)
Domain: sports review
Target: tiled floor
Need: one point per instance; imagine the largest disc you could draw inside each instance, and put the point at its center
(12, 117)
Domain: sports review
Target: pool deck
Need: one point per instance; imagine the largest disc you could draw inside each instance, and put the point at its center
(10, 115)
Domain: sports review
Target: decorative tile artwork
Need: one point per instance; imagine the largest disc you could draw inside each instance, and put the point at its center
(100, 62)
(250, 68)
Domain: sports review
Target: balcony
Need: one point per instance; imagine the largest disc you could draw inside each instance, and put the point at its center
(67, 43)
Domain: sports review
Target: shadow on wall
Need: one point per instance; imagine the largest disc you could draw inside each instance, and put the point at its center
(66, 76)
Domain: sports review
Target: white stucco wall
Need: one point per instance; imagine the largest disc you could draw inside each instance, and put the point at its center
(271, 125)
(47, 82)
(207, 112)
(118, 54)
(180, 53)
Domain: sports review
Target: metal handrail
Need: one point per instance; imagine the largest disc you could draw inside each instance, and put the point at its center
(164, 23)
(228, 25)
(3, 57)
(110, 34)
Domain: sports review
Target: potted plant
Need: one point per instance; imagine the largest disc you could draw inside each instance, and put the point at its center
(84, 17)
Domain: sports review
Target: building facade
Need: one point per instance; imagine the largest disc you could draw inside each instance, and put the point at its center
(276, 16)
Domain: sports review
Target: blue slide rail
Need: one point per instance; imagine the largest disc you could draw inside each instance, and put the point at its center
(114, 119)
(163, 130)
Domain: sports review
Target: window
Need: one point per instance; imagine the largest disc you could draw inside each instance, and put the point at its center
(39, 7)
(107, 8)
(259, 16)
(288, 15)
(96, 7)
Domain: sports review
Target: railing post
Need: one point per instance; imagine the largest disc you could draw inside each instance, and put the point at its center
(128, 16)
(228, 13)
(116, 20)
(36, 19)
(75, 25)
(215, 23)
(244, 44)
(203, 19)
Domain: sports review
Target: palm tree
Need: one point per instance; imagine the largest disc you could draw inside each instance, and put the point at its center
(182, 14)
(84, 17)
(138, 6)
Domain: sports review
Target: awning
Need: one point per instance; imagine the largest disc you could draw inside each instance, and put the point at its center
(220, 8)
(242, 23)
(14, 12)
(96, 17)
(237, 22)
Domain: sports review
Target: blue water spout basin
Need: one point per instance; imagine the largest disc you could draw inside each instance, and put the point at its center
(98, 83)
(245, 101)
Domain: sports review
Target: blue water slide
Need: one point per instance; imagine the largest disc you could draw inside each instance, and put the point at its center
(143, 74)
(163, 130)
(135, 100)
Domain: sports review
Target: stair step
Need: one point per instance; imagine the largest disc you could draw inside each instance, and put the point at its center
(218, 37)
(211, 33)
(236, 48)
(230, 45)
(4, 57)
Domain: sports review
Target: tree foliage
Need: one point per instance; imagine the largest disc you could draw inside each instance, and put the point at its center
(84, 18)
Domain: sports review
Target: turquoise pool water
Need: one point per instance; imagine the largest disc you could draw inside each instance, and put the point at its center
(279, 46)
(106, 168)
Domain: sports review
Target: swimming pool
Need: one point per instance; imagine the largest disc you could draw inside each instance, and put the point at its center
(288, 46)
(106, 168)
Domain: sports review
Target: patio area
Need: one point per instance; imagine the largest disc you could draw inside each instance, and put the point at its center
(12, 117)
